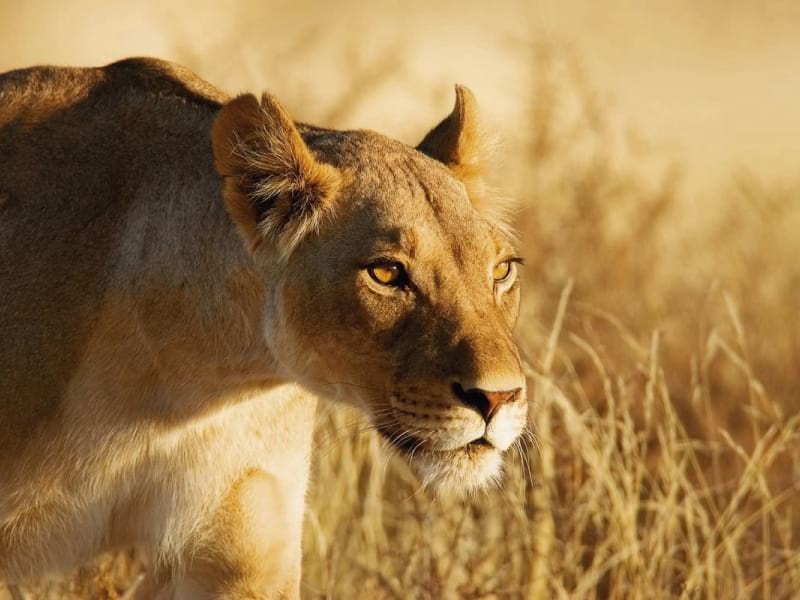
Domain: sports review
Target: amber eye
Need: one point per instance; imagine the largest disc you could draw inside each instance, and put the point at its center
(501, 271)
(388, 273)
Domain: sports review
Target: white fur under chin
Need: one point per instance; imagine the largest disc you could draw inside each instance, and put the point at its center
(459, 473)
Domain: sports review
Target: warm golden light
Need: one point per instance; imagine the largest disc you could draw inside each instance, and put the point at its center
(652, 151)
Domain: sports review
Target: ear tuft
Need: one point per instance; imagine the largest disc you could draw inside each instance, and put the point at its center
(274, 187)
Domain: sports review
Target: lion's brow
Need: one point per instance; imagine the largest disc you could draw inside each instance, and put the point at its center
(404, 238)
(427, 192)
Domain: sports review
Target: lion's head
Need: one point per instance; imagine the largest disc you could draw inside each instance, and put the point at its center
(386, 285)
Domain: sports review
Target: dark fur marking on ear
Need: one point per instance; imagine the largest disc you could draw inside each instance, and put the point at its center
(274, 188)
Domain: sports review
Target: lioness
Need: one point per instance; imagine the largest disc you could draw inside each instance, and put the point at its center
(182, 274)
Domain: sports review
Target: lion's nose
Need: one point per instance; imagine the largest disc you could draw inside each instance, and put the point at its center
(485, 402)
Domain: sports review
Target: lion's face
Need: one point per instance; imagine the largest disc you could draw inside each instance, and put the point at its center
(402, 300)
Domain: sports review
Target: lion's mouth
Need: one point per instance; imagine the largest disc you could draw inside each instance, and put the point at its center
(411, 445)
(457, 470)
(480, 442)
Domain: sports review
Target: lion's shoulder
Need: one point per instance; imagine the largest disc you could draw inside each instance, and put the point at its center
(87, 156)
(163, 79)
(36, 92)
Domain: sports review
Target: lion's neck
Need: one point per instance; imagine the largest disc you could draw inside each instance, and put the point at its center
(197, 300)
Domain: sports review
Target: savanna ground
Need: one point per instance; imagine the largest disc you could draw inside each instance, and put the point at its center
(659, 328)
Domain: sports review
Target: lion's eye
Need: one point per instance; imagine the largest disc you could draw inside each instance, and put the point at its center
(501, 271)
(388, 273)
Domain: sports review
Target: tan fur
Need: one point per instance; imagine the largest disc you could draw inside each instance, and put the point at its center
(181, 276)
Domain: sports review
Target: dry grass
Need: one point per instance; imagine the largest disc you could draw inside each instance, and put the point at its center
(663, 353)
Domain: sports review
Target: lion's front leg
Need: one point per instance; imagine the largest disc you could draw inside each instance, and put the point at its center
(249, 549)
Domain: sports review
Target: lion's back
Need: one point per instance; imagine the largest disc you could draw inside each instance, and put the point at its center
(80, 148)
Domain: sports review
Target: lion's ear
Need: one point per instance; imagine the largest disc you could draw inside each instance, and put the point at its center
(460, 143)
(274, 188)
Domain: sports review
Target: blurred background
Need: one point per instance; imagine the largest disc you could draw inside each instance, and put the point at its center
(652, 152)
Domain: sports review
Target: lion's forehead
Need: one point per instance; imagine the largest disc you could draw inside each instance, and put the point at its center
(380, 165)
(406, 201)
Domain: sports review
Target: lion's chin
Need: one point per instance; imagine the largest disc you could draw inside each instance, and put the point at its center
(459, 472)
